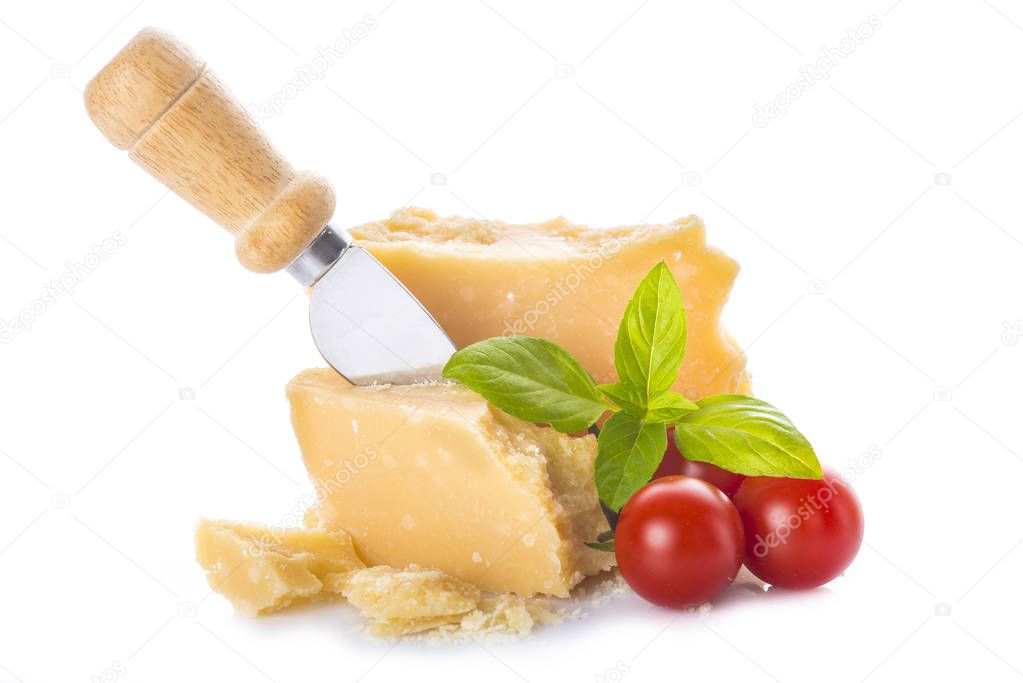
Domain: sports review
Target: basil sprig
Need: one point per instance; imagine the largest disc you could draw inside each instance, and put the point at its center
(537, 380)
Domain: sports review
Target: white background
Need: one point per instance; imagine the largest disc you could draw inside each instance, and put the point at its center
(879, 303)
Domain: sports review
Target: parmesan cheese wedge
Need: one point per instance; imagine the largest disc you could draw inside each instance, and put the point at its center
(563, 282)
(433, 475)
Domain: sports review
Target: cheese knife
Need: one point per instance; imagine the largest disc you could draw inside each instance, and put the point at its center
(157, 99)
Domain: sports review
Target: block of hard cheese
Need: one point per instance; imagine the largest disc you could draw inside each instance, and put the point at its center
(563, 282)
(433, 475)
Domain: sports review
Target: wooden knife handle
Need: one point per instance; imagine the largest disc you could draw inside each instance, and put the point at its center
(158, 100)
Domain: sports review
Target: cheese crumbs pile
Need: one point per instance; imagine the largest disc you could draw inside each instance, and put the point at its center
(262, 570)
(437, 607)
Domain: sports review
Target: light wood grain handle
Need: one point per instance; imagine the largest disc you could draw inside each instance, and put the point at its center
(158, 100)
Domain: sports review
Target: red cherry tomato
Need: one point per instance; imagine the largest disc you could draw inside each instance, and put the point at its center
(800, 533)
(674, 463)
(671, 461)
(678, 542)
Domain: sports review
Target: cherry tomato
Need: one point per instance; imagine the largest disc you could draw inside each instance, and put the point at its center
(671, 461)
(674, 462)
(800, 533)
(678, 542)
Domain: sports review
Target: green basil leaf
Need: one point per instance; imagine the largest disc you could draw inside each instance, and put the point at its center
(607, 547)
(629, 398)
(747, 436)
(628, 453)
(666, 408)
(669, 407)
(532, 379)
(652, 335)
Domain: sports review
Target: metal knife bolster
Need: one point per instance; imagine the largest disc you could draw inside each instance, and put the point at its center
(319, 255)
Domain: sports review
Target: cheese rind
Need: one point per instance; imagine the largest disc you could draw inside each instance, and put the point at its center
(433, 475)
(563, 282)
(262, 570)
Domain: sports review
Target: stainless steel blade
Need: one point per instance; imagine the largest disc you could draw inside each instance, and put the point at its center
(369, 327)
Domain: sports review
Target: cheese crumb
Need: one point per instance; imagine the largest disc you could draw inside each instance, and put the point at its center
(260, 571)
(438, 608)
